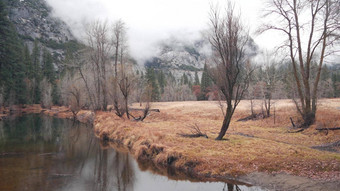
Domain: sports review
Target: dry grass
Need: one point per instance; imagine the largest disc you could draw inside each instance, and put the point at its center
(269, 147)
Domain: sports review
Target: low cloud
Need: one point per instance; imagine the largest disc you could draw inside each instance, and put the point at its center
(148, 21)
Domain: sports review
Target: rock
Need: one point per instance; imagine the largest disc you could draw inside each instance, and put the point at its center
(85, 116)
(33, 21)
(179, 57)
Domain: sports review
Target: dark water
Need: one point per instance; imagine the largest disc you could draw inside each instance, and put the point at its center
(44, 153)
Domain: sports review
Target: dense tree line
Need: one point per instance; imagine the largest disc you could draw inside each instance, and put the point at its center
(26, 77)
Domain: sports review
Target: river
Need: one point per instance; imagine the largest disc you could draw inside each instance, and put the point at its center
(39, 152)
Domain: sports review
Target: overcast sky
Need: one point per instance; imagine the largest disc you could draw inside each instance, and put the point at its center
(150, 21)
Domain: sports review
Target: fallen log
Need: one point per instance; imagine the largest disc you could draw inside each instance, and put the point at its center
(253, 117)
(331, 129)
(137, 109)
(297, 131)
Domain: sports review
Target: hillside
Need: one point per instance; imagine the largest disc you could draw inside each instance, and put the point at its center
(33, 20)
(177, 57)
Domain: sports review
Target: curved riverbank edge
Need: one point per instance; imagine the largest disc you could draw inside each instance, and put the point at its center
(280, 181)
(166, 161)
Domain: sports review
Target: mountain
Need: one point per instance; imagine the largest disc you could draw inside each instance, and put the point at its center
(33, 21)
(180, 57)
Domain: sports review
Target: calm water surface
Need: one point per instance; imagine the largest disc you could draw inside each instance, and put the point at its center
(43, 153)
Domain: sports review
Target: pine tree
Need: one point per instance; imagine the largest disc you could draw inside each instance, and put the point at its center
(48, 68)
(206, 81)
(197, 80)
(56, 94)
(184, 79)
(152, 82)
(335, 82)
(50, 74)
(28, 74)
(161, 81)
(12, 68)
(28, 62)
(36, 74)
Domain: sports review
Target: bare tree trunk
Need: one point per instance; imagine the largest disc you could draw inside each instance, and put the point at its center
(322, 31)
(231, 75)
(252, 107)
(226, 121)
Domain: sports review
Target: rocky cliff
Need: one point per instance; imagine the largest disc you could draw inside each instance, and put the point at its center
(33, 21)
(178, 57)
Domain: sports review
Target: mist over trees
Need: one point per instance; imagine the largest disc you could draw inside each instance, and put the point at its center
(100, 74)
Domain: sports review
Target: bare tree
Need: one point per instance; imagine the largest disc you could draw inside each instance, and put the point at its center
(75, 100)
(119, 44)
(229, 40)
(46, 94)
(268, 79)
(126, 84)
(311, 27)
(99, 48)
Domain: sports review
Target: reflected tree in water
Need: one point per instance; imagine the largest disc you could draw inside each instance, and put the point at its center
(230, 187)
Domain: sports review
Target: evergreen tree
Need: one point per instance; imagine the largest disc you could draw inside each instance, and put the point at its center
(152, 82)
(161, 81)
(12, 68)
(336, 84)
(28, 62)
(50, 74)
(325, 73)
(184, 79)
(28, 74)
(36, 60)
(197, 80)
(36, 74)
(56, 94)
(206, 81)
(48, 68)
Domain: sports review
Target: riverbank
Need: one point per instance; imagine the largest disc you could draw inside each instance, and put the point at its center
(250, 147)
(83, 116)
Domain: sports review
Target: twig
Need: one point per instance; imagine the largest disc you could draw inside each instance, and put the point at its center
(291, 120)
(195, 132)
(297, 131)
(332, 129)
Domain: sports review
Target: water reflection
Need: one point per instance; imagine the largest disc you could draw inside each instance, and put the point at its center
(231, 187)
(45, 153)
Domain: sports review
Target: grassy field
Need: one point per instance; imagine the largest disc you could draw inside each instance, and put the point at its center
(251, 146)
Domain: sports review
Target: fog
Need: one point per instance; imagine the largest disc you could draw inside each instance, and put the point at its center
(150, 21)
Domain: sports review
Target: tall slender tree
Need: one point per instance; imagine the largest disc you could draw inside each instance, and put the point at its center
(206, 81)
(36, 74)
(197, 80)
(229, 39)
(310, 27)
(153, 84)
